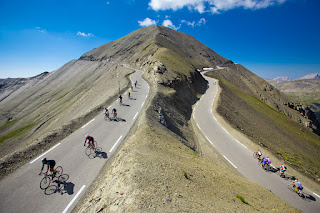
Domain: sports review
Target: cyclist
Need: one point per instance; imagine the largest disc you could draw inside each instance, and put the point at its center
(264, 161)
(114, 111)
(129, 94)
(120, 98)
(135, 84)
(268, 160)
(259, 154)
(50, 166)
(282, 169)
(90, 140)
(297, 185)
(106, 112)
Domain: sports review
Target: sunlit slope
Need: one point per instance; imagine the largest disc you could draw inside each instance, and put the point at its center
(284, 137)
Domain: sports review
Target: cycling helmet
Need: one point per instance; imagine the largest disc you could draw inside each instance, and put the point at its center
(44, 159)
(87, 135)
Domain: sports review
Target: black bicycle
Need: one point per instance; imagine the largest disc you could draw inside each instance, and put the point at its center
(91, 149)
(46, 180)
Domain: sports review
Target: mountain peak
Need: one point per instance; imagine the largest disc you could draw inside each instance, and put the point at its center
(150, 40)
(311, 76)
(282, 79)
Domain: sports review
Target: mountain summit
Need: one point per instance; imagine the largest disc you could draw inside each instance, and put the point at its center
(152, 41)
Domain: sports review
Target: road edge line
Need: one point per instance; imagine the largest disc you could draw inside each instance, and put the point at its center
(115, 144)
(44, 153)
(229, 161)
(73, 199)
(87, 123)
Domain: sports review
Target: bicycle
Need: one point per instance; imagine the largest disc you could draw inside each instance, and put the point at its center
(107, 117)
(115, 115)
(292, 188)
(91, 149)
(283, 175)
(46, 180)
(255, 155)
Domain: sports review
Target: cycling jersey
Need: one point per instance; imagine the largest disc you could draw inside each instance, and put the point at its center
(50, 164)
(299, 185)
(90, 139)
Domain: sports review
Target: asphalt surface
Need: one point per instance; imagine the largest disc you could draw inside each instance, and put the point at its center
(20, 191)
(241, 158)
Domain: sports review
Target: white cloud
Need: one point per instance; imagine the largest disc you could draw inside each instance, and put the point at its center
(147, 22)
(84, 34)
(189, 23)
(41, 30)
(213, 6)
(202, 21)
(168, 23)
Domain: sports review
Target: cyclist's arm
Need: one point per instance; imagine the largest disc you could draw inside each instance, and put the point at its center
(85, 142)
(42, 168)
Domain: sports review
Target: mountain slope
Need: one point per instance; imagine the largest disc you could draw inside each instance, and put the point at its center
(73, 94)
(261, 112)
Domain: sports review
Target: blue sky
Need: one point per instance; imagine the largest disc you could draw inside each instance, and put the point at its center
(272, 38)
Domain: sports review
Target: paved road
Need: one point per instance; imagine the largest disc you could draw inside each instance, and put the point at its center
(20, 191)
(241, 158)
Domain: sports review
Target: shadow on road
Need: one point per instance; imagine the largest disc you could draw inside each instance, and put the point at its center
(60, 186)
(118, 119)
(126, 105)
(98, 154)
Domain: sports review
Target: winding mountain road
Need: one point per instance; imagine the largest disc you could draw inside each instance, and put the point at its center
(240, 157)
(20, 191)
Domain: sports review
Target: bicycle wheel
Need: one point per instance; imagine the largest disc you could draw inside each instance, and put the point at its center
(255, 155)
(291, 187)
(90, 150)
(59, 171)
(45, 182)
(259, 163)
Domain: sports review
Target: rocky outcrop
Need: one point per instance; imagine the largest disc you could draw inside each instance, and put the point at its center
(307, 113)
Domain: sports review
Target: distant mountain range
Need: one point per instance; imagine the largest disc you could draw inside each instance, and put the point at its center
(309, 76)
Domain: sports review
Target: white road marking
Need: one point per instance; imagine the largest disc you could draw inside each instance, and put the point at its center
(115, 144)
(142, 103)
(135, 116)
(210, 141)
(45, 153)
(193, 116)
(229, 161)
(215, 118)
(198, 126)
(87, 123)
(75, 197)
(316, 195)
(224, 129)
(241, 144)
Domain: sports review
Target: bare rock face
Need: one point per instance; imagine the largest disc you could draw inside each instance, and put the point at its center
(311, 119)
